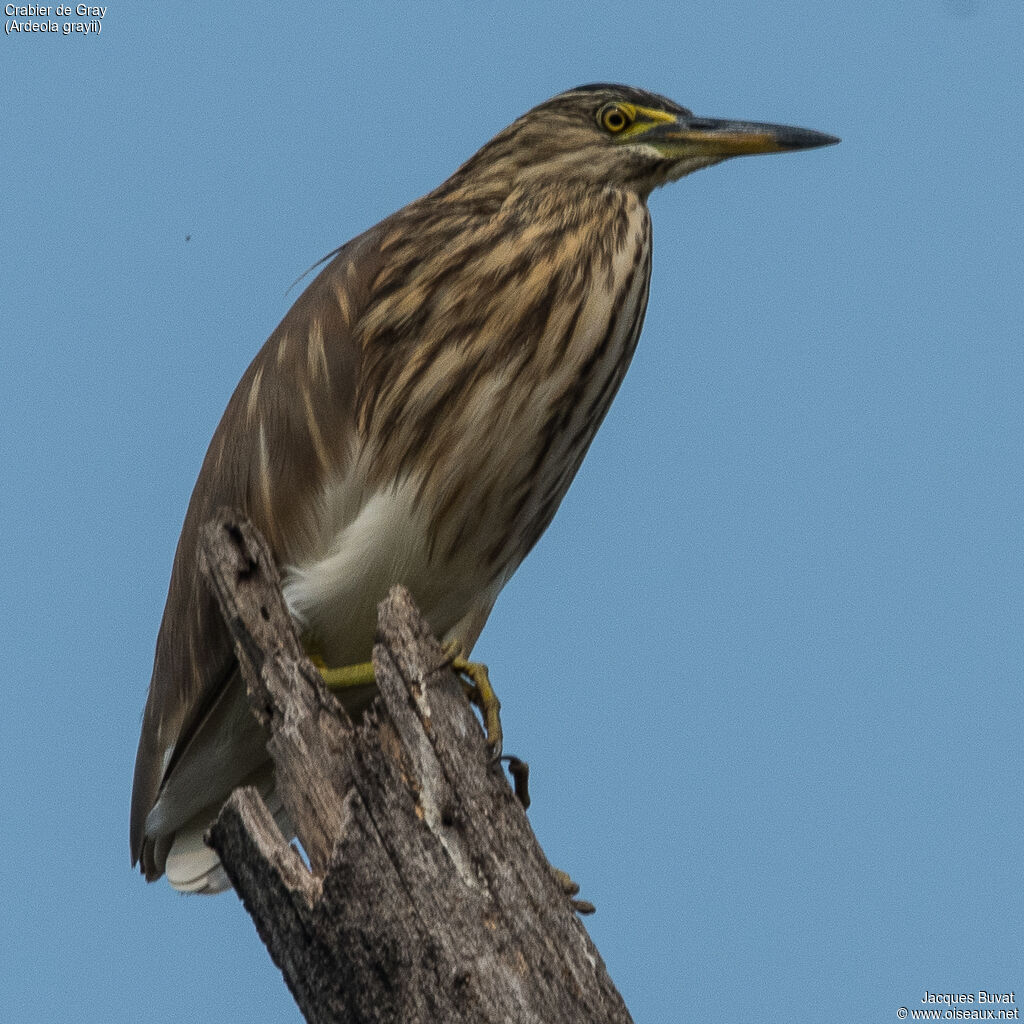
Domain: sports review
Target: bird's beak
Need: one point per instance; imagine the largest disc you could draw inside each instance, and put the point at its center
(689, 136)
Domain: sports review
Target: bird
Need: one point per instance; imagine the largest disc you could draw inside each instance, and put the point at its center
(416, 418)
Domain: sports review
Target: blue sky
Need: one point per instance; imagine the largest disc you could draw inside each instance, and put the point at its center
(766, 664)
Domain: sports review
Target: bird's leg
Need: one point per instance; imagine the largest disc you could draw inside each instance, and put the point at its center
(478, 689)
(347, 675)
(480, 692)
(477, 684)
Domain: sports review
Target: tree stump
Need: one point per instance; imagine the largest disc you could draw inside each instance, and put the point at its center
(427, 897)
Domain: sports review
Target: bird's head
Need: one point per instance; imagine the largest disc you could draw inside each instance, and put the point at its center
(624, 137)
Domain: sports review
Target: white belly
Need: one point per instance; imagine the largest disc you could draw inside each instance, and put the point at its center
(335, 596)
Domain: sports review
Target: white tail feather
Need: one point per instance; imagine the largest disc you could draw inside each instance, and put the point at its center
(193, 867)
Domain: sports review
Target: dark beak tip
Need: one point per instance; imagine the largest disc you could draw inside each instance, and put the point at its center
(804, 138)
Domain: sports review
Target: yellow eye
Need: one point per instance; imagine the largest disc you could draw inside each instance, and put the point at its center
(614, 118)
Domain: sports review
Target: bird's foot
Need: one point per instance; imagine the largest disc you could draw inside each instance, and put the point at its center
(480, 692)
(570, 888)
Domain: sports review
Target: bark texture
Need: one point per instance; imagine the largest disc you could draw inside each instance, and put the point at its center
(427, 896)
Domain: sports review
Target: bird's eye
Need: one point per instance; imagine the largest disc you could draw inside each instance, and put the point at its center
(614, 118)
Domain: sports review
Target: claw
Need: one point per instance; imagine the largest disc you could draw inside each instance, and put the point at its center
(481, 693)
(570, 888)
(520, 772)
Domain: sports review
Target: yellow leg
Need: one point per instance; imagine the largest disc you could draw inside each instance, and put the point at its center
(480, 692)
(348, 675)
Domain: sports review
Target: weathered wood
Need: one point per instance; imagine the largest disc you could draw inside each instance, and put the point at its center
(428, 897)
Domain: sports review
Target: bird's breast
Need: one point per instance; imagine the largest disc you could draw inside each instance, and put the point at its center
(481, 427)
(547, 405)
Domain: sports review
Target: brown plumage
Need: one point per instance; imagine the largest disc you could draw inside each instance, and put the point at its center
(416, 418)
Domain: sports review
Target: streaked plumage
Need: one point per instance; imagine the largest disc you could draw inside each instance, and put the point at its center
(416, 418)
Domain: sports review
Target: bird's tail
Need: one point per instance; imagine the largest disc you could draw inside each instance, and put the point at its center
(193, 867)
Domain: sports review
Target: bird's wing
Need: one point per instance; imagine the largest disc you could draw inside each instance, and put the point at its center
(289, 426)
